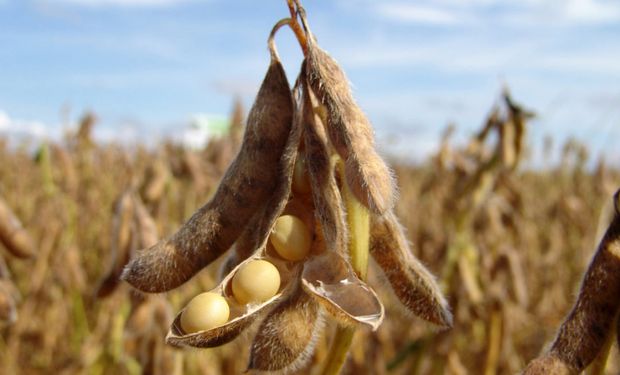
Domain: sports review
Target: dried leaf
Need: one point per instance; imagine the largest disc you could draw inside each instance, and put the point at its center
(350, 132)
(246, 186)
(414, 286)
(329, 278)
(285, 340)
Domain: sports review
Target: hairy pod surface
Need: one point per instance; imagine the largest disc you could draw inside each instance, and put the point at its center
(548, 365)
(329, 209)
(259, 227)
(286, 337)
(588, 325)
(13, 235)
(350, 132)
(255, 236)
(246, 186)
(412, 283)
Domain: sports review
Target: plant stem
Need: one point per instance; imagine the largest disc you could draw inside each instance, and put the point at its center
(296, 27)
(358, 221)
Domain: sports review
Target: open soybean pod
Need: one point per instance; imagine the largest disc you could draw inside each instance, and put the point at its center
(588, 326)
(256, 233)
(13, 235)
(328, 278)
(242, 314)
(412, 283)
(286, 337)
(350, 132)
(247, 185)
(254, 241)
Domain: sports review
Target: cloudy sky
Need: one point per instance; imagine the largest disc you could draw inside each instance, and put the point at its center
(147, 66)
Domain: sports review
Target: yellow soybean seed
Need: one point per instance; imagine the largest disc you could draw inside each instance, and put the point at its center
(291, 238)
(301, 179)
(256, 281)
(205, 311)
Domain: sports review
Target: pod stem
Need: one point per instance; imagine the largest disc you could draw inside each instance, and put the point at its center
(358, 221)
(294, 7)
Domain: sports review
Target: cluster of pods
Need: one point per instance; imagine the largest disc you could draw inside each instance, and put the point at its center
(307, 167)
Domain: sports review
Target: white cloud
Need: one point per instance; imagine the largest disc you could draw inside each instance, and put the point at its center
(418, 13)
(592, 11)
(515, 12)
(118, 3)
(26, 129)
(4, 121)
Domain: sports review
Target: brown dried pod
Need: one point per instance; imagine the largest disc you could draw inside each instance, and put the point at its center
(518, 116)
(286, 337)
(155, 180)
(325, 194)
(246, 186)
(8, 296)
(69, 174)
(548, 365)
(329, 278)
(254, 237)
(148, 314)
(8, 308)
(241, 315)
(236, 122)
(85, 129)
(350, 132)
(587, 327)
(414, 286)
(146, 229)
(123, 240)
(493, 120)
(12, 235)
(257, 231)
(507, 144)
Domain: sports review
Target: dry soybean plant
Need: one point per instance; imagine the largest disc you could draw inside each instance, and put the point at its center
(590, 327)
(303, 205)
(19, 243)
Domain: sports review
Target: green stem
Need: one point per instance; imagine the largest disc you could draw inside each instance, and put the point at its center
(358, 221)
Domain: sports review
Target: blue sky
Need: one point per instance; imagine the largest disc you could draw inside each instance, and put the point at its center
(147, 66)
